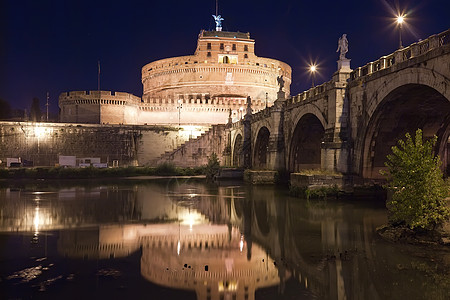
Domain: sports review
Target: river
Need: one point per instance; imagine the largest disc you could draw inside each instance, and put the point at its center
(186, 239)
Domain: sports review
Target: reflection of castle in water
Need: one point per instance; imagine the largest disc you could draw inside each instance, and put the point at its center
(212, 260)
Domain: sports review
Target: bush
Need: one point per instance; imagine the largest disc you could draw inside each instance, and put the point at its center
(417, 185)
(213, 166)
(166, 169)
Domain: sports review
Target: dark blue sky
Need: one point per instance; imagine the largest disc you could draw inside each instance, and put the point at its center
(54, 46)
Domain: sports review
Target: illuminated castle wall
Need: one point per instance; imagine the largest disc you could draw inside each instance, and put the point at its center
(194, 89)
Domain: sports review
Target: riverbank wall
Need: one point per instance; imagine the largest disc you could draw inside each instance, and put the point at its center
(41, 144)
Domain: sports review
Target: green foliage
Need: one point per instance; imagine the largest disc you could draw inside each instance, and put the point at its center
(213, 166)
(314, 193)
(319, 172)
(417, 184)
(166, 169)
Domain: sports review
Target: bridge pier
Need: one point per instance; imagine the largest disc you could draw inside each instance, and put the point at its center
(334, 152)
(335, 149)
(276, 149)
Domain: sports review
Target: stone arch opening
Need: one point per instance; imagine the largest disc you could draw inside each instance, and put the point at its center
(260, 158)
(237, 151)
(305, 150)
(226, 60)
(405, 109)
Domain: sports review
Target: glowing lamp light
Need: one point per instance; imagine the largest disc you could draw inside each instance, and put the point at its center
(312, 71)
(400, 21)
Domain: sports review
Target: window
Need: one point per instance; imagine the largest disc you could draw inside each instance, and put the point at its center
(245, 48)
(234, 47)
(208, 46)
(221, 46)
(245, 55)
(226, 60)
(208, 54)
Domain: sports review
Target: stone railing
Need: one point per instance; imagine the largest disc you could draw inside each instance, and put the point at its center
(413, 50)
(306, 95)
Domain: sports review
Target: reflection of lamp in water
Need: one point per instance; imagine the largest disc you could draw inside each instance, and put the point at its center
(36, 221)
(179, 238)
(241, 243)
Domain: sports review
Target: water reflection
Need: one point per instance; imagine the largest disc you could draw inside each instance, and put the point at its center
(231, 242)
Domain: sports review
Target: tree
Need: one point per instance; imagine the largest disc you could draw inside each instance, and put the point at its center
(5, 110)
(213, 166)
(35, 112)
(417, 184)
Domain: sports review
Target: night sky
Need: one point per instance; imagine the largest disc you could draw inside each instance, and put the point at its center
(55, 45)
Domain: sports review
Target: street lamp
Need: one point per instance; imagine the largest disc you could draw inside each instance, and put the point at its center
(400, 20)
(312, 71)
(180, 105)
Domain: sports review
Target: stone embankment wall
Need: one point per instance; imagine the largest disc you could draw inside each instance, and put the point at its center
(42, 143)
(196, 151)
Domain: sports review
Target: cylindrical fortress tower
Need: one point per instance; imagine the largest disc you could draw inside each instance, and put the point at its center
(203, 87)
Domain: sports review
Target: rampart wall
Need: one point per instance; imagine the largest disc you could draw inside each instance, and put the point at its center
(99, 107)
(196, 152)
(42, 143)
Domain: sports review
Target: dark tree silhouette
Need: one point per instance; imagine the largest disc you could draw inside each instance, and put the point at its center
(5, 110)
(35, 112)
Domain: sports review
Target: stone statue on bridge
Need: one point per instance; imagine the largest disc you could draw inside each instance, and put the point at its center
(280, 82)
(342, 46)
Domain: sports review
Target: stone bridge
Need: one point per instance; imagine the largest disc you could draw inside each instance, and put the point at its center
(350, 123)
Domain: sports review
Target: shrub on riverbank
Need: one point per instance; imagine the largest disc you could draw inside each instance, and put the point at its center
(416, 183)
(165, 169)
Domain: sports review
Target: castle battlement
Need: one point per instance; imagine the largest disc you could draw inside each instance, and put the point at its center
(192, 89)
(100, 96)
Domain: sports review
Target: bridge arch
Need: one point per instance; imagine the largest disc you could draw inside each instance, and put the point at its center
(260, 157)
(236, 154)
(305, 143)
(407, 100)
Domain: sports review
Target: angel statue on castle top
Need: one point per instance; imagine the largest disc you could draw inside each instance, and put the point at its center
(218, 19)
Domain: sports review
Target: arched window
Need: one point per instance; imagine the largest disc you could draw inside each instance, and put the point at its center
(226, 60)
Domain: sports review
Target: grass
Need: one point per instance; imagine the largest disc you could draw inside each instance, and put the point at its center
(165, 169)
(310, 172)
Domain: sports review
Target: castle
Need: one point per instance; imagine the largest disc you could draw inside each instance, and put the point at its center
(201, 89)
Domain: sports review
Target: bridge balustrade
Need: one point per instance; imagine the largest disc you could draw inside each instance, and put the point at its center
(413, 50)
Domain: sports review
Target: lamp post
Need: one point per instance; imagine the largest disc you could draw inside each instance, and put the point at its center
(180, 105)
(312, 70)
(400, 20)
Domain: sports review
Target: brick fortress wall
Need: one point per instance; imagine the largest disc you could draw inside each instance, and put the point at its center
(42, 143)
